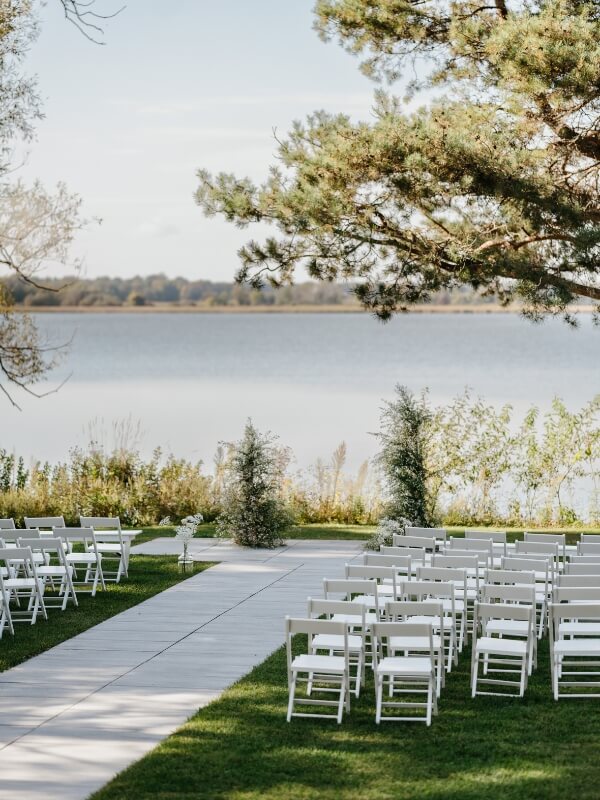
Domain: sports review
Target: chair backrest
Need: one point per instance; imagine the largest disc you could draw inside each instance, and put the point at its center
(582, 568)
(429, 543)
(512, 611)
(590, 537)
(578, 580)
(541, 566)
(559, 539)
(318, 607)
(110, 523)
(576, 594)
(379, 574)
(414, 553)
(459, 559)
(483, 549)
(453, 575)
(384, 632)
(422, 590)
(401, 563)
(509, 576)
(497, 537)
(397, 610)
(348, 587)
(44, 522)
(44, 544)
(537, 548)
(585, 558)
(7, 524)
(426, 533)
(507, 593)
(558, 612)
(589, 548)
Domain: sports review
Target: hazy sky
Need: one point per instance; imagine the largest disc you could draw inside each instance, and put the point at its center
(178, 86)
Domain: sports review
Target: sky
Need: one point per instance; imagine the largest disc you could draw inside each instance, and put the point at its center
(176, 87)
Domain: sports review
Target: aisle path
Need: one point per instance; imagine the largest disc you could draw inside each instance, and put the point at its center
(76, 715)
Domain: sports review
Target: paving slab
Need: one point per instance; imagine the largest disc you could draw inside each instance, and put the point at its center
(75, 716)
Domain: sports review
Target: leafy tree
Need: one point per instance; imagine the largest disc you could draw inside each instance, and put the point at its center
(493, 184)
(404, 437)
(254, 514)
(36, 226)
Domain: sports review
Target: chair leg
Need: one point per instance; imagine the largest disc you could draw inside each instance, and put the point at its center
(474, 672)
(378, 697)
(291, 698)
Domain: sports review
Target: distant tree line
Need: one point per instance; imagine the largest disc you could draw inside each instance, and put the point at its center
(157, 289)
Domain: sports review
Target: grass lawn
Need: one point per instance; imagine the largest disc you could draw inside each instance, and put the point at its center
(353, 532)
(148, 575)
(241, 748)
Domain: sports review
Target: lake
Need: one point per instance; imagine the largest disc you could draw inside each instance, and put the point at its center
(314, 379)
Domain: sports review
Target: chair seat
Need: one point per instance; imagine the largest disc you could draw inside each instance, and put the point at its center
(326, 641)
(49, 572)
(312, 663)
(577, 647)
(579, 629)
(20, 583)
(81, 558)
(107, 547)
(405, 665)
(509, 647)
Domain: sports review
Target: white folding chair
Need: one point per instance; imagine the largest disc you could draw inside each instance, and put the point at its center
(357, 590)
(23, 583)
(334, 644)
(90, 560)
(471, 563)
(520, 594)
(497, 538)
(482, 548)
(547, 550)
(402, 564)
(110, 542)
(505, 655)
(386, 578)
(458, 577)
(326, 671)
(417, 555)
(445, 593)
(574, 661)
(412, 675)
(524, 577)
(49, 572)
(559, 539)
(418, 611)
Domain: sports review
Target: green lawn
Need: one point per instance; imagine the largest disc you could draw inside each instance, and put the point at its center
(241, 748)
(148, 575)
(352, 532)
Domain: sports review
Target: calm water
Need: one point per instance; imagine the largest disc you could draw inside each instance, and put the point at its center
(315, 379)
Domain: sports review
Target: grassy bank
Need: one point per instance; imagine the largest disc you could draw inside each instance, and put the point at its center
(148, 575)
(484, 749)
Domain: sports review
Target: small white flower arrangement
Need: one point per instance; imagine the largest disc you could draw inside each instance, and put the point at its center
(186, 531)
(384, 535)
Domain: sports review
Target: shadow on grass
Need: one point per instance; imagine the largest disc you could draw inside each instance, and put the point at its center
(241, 747)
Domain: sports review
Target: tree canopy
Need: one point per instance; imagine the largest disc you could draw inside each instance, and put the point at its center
(492, 181)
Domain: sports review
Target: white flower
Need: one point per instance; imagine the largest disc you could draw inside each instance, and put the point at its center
(165, 522)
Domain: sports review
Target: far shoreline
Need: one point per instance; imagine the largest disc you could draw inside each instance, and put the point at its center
(166, 308)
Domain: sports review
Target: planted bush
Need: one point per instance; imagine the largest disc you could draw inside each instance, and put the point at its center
(253, 511)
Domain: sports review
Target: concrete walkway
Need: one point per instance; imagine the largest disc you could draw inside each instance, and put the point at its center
(73, 717)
